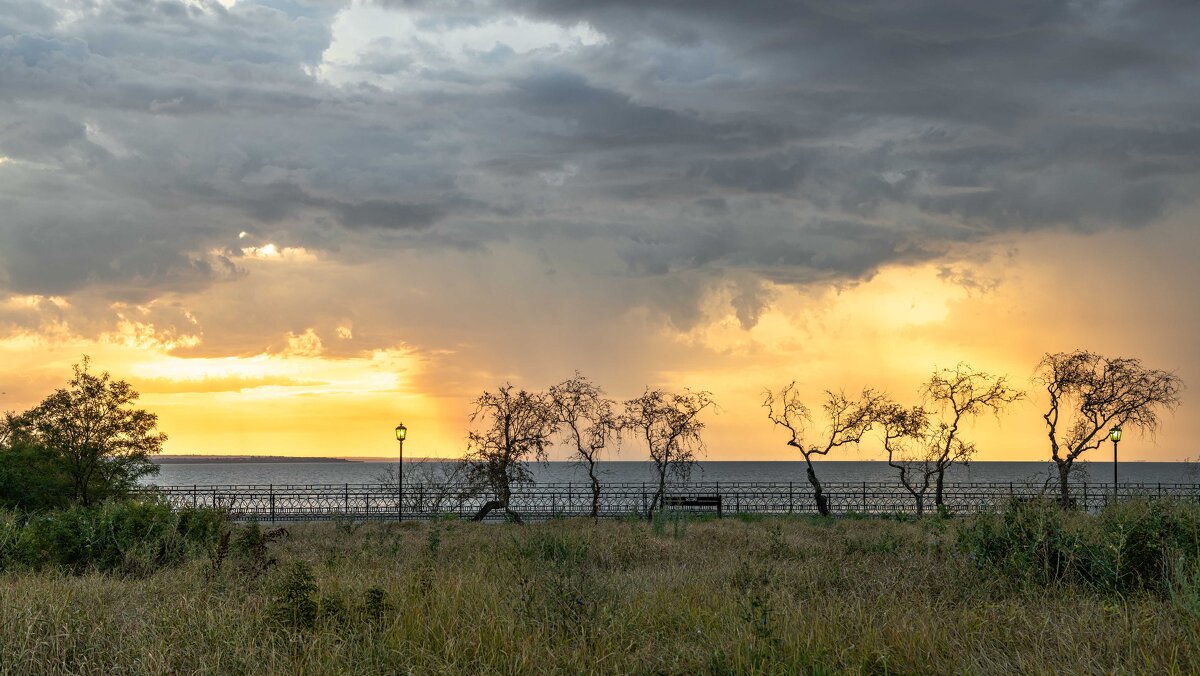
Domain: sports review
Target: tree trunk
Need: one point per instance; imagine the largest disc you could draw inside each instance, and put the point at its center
(487, 509)
(920, 504)
(937, 492)
(1064, 486)
(503, 495)
(659, 495)
(818, 493)
(595, 492)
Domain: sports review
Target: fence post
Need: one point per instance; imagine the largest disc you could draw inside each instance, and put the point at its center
(271, 489)
(643, 497)
(194, 489)
(1085, 500)
(864, 496)
(789, 497)
(346, 503)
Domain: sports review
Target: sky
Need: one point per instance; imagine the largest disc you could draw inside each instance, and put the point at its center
(293, 224)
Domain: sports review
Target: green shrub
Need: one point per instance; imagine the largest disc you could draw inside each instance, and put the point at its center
(33, 478)
(376, 605)
(11, 535)
(248, 548)
(132, 537)
(292, 600)
(1131, 546)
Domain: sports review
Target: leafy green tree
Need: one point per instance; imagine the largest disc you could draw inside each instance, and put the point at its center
(92, 431)
(32, 478)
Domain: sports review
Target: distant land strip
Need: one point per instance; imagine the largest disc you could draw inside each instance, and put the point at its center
(200, 459)
(196, 459)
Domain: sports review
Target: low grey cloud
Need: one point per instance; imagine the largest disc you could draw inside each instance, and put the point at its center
(791, 142)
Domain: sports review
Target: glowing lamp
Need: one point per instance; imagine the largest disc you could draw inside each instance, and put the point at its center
(402, 431)
(1115, 433)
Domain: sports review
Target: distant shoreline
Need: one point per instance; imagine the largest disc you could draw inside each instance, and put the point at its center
(207, 459)
(199, 459)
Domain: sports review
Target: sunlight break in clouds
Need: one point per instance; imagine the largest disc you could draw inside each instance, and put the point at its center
(294, 224)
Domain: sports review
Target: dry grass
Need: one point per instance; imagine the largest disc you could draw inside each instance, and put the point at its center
(770, 596)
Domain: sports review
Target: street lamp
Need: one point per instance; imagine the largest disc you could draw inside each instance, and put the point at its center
(1115, 435)
(401, 433)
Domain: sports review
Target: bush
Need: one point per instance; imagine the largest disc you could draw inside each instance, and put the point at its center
(33, 479)
(1131, 546)
(132, 537)
(249, 548)
(292, 598)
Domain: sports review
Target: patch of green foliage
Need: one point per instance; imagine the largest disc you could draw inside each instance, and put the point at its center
(133, 537)
(1132, 546)
(32, 478)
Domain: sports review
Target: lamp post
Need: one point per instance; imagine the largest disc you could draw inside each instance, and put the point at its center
(1115, 435)
(401, 433)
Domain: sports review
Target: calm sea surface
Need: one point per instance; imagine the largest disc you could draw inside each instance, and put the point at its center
(178, 474)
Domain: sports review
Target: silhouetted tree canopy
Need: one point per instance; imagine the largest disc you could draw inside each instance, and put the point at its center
(93, 432)
(590, 423)
(958, 395)
(514, 427)
(669, 423)
(849, 420)
(906, 442)
(1089, 394)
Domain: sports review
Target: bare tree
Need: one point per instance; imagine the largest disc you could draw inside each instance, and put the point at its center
(1090, 393)
(906, 441)
(432, 484)
(670, 424)
(849, 421)
(959, 394)
(514, 428)
(590, 423)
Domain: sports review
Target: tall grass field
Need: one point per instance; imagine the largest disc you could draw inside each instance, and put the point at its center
(1031, 590)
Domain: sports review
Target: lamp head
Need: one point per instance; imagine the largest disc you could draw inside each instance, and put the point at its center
(401, 432)
(1115, 433)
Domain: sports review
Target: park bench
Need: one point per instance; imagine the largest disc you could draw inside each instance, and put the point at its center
(693, 501)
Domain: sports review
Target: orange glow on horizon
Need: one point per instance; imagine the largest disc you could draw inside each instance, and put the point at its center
(888, 333)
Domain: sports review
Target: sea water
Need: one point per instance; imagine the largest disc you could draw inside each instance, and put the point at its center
(222, 473)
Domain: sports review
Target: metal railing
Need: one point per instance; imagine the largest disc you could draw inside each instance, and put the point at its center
(312, 502)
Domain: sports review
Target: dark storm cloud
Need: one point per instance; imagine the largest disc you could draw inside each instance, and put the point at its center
(793, 142)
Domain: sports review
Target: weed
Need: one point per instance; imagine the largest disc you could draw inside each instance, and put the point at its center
(777, 545)
(376, 605)
(292, 604)
(433, 540)
(249, 548)
(346, 525)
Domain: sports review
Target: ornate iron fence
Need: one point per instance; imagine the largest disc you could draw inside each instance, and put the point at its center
(313, 502)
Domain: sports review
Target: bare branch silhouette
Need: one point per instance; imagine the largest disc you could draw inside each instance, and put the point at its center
(849, 420)
(1089, 394)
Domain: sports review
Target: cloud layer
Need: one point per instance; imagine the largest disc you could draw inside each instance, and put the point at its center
(440, 171)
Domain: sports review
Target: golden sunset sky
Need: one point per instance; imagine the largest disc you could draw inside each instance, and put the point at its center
(292, 225)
